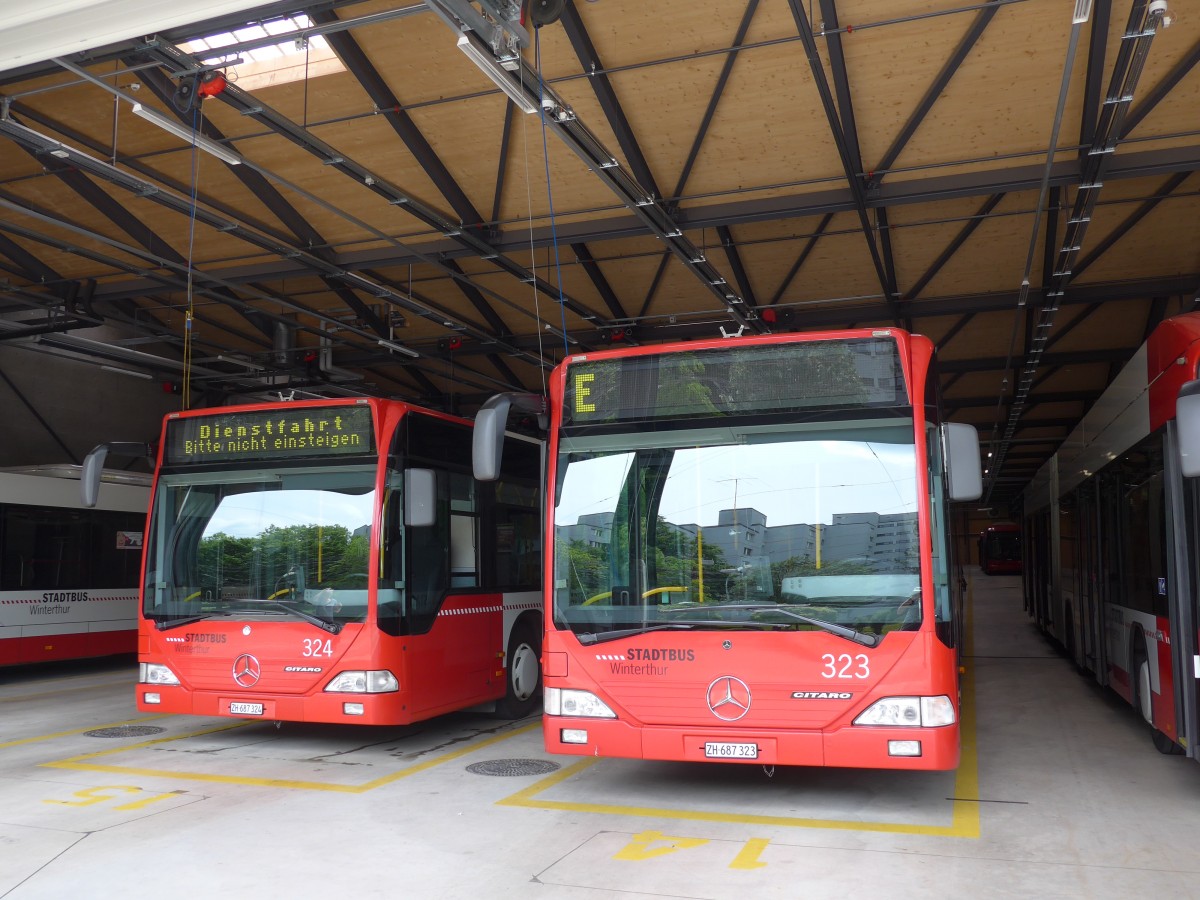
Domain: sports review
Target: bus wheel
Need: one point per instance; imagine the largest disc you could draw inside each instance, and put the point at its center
(1164, 744)
(1140, 676)
(523, 680)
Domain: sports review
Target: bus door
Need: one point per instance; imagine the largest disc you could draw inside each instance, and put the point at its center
(1089, 568)
(1183, 518)
(451, 628)
(1111, 562)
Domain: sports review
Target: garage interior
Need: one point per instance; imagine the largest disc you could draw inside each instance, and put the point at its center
(365, 212)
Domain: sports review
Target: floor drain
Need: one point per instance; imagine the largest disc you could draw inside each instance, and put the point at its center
(512, 767)
(120, 731)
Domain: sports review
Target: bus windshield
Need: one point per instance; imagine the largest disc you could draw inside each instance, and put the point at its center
(268, 544)
(779, 527)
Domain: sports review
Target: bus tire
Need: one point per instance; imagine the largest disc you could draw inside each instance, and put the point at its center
(1139, 680)
(522, 673)
(1143, 699)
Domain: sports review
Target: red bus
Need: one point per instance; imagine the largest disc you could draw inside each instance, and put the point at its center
(334, 561)
(747, 552)
(1111, 555)
(1000, 549)
(68, 575)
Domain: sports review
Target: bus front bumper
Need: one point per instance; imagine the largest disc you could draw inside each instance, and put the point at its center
(350, 709)
(853, 746)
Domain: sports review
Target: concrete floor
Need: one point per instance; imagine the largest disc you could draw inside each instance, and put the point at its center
(1060, 794)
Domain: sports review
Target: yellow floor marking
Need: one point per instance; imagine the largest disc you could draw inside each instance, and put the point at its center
(58, 734)
(964, 822)
(84, 763)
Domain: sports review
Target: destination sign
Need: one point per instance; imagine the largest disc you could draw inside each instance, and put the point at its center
(270, 435)
(742, 379)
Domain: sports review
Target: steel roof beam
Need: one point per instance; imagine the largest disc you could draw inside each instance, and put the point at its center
(804, 254)
(1094, 82)
(735, 264)
(469, 237)
(953, 331)
(932, 93)
(590, 61)
(841, 85)
(959, 239)
(599, 282)
(1159, 92)
(1052, 360)
(1124, 227)
(852, 172)
(823, 203)
(502, 163)
(389, 106)
(718, 91)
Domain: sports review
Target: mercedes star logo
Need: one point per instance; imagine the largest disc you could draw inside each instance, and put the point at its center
(246, 670)
(729, 698)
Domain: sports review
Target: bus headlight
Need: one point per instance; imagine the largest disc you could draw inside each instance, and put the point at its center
(910, 712)
(566, 702)
(153, 673)
(376, 681)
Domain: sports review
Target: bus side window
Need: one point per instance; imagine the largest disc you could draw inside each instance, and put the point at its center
(464, 544)
(514, 517)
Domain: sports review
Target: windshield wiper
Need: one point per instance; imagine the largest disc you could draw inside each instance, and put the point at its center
(589, 638)
(168, 624)
(842, 631)
(331, 627)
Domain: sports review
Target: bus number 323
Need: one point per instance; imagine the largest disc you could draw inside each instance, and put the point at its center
(846, 666)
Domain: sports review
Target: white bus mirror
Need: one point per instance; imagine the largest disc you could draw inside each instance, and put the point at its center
(963, 471)
(1187, 422)
(93, 467)
(420, 497)
(487, 440)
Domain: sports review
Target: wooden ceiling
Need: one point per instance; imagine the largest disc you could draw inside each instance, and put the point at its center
(764, 164)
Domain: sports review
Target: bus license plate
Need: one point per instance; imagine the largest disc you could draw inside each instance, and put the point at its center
(245, 709)
(727, 750)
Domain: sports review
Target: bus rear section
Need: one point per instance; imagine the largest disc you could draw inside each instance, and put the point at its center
(1000, 549)
(68, 574)
(749, 557)
(336, 562)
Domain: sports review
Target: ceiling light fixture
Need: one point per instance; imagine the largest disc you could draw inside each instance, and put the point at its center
(391, 345)
(178, 129)
(491, 67)
(132, 374)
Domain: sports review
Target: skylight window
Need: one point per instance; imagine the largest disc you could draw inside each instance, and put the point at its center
(264, 63)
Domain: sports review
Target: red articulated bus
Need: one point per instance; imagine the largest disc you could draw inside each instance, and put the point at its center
(335, 561)
(1000, 549)
(1111, 537)
(68, 575)
(747, 552)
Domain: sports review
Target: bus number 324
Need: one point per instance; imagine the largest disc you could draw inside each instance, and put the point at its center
(846, 666)
(317, 647)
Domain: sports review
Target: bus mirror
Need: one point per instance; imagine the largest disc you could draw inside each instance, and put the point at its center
(963, 471)
(420, 497)
(487, 440)
(89, 478)
(1187, 421)
(93, 467)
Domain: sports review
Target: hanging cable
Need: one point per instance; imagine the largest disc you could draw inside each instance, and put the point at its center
(189, 317)
(537, 313)
(562, 309)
